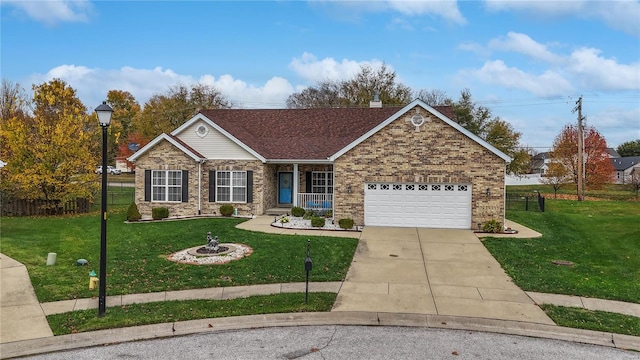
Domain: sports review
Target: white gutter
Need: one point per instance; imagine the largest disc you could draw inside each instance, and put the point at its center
(301, 161)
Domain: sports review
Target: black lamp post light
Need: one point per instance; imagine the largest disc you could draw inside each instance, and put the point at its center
(104, 113)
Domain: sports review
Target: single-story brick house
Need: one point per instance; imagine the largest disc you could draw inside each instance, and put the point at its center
(409, 166)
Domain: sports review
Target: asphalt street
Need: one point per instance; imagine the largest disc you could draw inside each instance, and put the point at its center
(347, 342)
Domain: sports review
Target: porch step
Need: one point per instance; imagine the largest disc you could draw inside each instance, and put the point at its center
(278, 211)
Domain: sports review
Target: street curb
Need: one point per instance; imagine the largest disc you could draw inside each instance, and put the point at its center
(181, 328)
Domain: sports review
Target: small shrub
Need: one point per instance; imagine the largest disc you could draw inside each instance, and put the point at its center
(158, 213)
(492, 226)
(297, 211)
(226, 210)
(328, 213)
(309, 214)
(346, 223)
(284, 220)
(317, 221)
(133, 214)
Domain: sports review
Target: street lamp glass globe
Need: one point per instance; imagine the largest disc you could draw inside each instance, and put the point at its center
(104, 112)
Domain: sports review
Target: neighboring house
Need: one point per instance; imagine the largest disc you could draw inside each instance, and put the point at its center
(123, 165)
(612, 153)
(409, 166)
(540, 163)
(624, 167)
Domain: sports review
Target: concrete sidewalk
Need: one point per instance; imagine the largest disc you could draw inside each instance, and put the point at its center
(21, 316)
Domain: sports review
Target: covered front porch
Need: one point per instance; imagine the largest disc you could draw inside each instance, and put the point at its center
(309, 186)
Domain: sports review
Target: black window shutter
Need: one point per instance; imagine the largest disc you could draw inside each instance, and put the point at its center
(185, 185)
(212, 186)
(147, 185)
(249, 186)
(308, 182)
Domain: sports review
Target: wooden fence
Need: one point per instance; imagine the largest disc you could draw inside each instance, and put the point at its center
(22, 207)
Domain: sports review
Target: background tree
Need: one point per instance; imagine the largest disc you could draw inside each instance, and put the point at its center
(52, 153)
(125, 151)
(13, 100)
(634, 181)
(505, 138)
(362, 88)
(629, 148)
(325, 94)
(125, 110)
(357, 91)
(471, 116)
(164, 113)
(556, 176)
(598, 167)
(434, 97)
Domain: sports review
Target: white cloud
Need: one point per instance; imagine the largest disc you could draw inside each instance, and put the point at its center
(522, 43)
(495, 72)
(584, 69)
(623, 15)
(92, 85)
(446, 9)
(594, 72)
(52, 12)
(313, 70)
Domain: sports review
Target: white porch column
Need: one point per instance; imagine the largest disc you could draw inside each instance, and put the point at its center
(296, 184)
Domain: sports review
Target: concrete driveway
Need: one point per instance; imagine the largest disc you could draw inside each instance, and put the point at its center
(431, 271)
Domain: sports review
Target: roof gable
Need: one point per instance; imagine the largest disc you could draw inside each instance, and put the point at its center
(196, 156)
(433, 111)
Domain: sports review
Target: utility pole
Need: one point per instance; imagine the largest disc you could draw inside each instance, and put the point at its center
(580, 174)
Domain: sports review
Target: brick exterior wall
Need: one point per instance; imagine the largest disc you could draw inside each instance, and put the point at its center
(435, 153)
(165, 156)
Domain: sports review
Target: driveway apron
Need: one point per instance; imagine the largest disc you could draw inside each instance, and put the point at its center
(431, 271)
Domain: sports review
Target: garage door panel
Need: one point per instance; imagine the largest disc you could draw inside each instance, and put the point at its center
(422, 205)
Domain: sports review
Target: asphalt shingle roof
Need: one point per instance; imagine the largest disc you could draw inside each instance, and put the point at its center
(303, 134)
(623, 163)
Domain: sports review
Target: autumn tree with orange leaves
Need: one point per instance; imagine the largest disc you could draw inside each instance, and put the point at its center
(598, 168)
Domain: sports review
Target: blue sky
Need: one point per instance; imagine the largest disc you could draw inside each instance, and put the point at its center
(528, 61)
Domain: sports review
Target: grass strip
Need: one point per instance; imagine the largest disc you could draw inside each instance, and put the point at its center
(593, 320)
(171, 311)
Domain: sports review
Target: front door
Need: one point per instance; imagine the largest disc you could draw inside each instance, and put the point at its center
(285, 187)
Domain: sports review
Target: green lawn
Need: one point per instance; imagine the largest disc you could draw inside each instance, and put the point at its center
(602, 239)
(136, 255)
(593, 320)
(169, 311)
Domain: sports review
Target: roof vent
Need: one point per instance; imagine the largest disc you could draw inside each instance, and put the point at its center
(376, 103)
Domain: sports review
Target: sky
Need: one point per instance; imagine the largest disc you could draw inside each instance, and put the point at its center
(527, 61)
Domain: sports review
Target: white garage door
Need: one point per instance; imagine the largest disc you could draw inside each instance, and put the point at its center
(421, 205)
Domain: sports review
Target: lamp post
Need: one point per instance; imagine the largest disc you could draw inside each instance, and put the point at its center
(104, 112)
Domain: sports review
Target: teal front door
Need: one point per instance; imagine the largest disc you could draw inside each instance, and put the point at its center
(285, 188)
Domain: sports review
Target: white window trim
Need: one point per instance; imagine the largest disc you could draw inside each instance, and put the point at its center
(230, 187)
(328, 177)
(166, 186)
